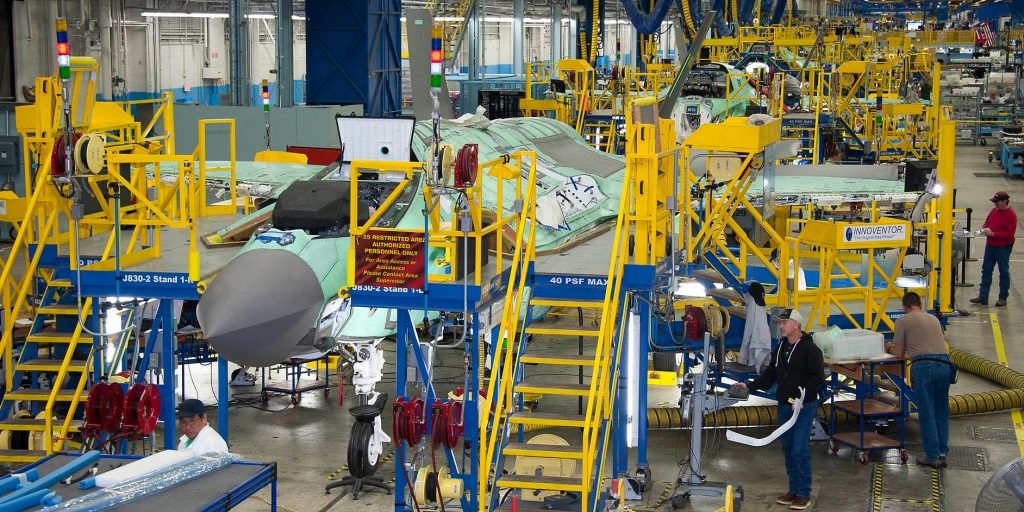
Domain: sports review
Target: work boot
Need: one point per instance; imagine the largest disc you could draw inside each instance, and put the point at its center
(1000, 303)
(979, 300)
(786, 499)
(923, 460)
(943, 461)
(800, 503)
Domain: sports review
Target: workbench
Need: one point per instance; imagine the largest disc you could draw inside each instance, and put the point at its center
(874, 416)
(222, 489)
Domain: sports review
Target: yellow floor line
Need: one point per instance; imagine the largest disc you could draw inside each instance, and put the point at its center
(1018, 422)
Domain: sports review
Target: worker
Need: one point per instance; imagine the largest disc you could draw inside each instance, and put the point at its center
(796, 365)
(1000, 228)
(919, 337)
(801, 283)
(199, 436)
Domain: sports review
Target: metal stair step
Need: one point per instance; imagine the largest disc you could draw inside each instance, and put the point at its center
(51, 365)
(21, 455)
(40, 395)
(552, 388)
(60, 283)
(563, 331)
(542, 483)
(562, 303)
(51, 337)
(737, 311)
(58, 309)
(725, 293)
(556, 451)
(551, 419)
(709, 274)
(37, 425)
(558, 359)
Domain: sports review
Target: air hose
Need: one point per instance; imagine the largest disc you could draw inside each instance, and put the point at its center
(688, 17)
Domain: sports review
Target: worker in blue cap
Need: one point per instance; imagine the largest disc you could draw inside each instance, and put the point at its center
(200, 438)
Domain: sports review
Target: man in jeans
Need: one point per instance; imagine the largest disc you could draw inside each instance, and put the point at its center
(999, 228)
(919, 337)
(796, 364)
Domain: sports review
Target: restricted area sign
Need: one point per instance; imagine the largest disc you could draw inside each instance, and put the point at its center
(390, 259)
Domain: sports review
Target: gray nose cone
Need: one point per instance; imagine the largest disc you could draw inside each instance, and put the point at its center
(260, 306)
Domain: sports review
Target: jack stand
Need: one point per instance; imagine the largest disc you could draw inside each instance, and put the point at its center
(364, 450)
(695, 484)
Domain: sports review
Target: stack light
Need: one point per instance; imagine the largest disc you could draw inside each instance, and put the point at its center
(63, 49)
(266, 95)
(436, 58)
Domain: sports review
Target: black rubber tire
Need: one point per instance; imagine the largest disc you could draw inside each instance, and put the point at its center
(358, 450)
(665, 362)
(679, 502)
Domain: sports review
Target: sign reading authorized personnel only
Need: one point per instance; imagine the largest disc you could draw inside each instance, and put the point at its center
(876, 233)
(392, 259)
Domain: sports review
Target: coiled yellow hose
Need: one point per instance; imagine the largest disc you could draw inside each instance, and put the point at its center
(688, 18)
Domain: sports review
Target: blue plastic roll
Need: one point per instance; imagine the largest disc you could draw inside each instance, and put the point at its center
(88, 483)
(11, 482)
(27, 501)
(77, 464)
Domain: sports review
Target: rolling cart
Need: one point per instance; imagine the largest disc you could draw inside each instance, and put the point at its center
(875, 418)
(294, 369)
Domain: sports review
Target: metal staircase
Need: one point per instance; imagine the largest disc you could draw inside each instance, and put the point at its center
(510, 379)
(54, 359)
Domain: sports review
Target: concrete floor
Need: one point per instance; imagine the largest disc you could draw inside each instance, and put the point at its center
(309, 441)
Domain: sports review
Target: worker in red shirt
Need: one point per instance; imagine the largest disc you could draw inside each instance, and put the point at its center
(999, 229)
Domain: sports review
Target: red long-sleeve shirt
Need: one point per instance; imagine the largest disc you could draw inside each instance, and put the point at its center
(1003, 224)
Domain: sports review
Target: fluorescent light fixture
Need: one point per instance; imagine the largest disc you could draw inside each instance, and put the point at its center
(184, 15)
(215, 15)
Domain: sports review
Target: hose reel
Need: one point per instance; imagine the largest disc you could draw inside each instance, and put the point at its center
(407, 421)
(434, 487)
(544, 466)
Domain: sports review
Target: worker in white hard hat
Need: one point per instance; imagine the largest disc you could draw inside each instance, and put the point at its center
(796, 365)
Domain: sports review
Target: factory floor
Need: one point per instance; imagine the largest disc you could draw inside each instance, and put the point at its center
(309, 441)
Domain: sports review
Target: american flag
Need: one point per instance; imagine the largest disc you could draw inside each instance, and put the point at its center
(983, 34)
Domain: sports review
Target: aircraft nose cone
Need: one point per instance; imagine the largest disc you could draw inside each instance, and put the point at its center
(260, 306)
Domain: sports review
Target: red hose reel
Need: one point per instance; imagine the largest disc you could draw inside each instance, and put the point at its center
(407, 420)
(109, 410)
(447, 423)
(466, 166)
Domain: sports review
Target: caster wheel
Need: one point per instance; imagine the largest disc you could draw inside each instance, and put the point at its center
(327, 391)
(833, 447)
(983, 142)
(904, 456)
(643, 475)
(295, 399)
(679, 502)
(862, 456)
(264, 397)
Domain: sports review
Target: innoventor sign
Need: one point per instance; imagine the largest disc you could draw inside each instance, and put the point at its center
(876, 233)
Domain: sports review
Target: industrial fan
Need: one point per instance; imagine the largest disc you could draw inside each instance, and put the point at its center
(1004, 491)
(544, 466)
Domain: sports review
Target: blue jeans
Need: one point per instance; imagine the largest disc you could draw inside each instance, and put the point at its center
(794, 446)
(995, 256)
(930, 383)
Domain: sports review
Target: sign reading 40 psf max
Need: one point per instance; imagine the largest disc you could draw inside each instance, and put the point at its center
(391, 259)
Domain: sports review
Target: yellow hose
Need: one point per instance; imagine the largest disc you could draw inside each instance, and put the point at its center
(735, 14)
(959, 405)
(689, 18)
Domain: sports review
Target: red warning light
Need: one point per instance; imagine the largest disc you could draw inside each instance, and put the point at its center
(435, 56)
(62, 49)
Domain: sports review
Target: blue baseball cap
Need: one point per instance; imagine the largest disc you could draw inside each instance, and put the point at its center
(191, 407)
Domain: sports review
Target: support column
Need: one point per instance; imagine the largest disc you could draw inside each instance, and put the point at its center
(239, 41)
(556, 32)
(473, 51)
(285, 54)
(104, 24)
(517, 37)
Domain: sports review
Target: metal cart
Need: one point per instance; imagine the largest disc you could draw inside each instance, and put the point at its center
(875, 418)
(294, 369)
